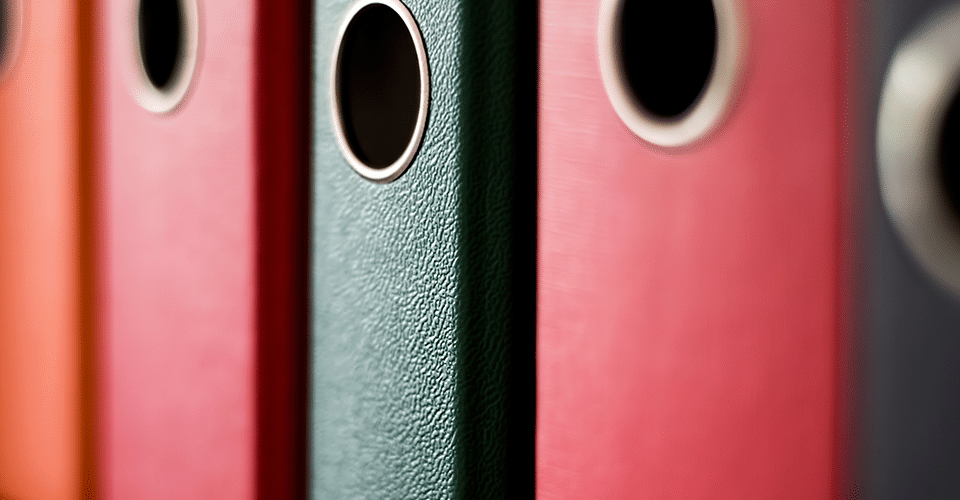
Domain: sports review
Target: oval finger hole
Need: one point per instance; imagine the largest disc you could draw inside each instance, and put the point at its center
(670, 68)
(918, 145)
(167, 33)
(381, 89)
(10, 27)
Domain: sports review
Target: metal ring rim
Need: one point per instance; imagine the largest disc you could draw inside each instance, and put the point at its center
(922, 79)
(714, 102)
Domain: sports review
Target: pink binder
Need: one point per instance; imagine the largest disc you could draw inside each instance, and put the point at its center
(200, 253)
(692, 300)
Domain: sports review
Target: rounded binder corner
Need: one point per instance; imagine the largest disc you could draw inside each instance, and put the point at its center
(379, 89)
(918, 119)
(166, 48)
(681, 110)
(11, 33)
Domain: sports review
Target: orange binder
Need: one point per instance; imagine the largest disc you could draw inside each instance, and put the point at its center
(44, 213)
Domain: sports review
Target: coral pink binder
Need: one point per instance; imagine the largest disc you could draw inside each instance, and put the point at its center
(45, 159)
(691, 295)
(203, 119)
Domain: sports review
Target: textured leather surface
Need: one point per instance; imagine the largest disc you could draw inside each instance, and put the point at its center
(422, 289)
(912, 342)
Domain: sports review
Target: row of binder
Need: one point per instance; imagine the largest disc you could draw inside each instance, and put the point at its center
(479, 249)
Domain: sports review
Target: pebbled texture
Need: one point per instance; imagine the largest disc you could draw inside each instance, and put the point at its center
(912, 346)
(422, 289)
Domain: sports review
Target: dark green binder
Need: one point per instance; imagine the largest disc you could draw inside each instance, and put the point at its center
(423, 288)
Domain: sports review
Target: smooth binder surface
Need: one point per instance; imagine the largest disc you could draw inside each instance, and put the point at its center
(44, 318)
(692, 301)
(422, 288)
(201, 300)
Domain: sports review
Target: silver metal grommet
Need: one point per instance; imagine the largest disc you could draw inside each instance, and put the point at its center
(166, 95)
(11, 34)
(922, 82)
(380, 135)
(707, 110)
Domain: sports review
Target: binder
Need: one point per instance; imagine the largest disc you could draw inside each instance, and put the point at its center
(46, 338)
(694, 237)
(912, 309)
(204, 161)
(422, 269)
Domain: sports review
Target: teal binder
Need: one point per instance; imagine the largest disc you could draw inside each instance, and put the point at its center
(423, 288)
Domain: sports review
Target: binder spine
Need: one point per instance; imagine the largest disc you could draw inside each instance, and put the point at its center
(497, 288)
(282, 152)
(422, 329)
(911, 311)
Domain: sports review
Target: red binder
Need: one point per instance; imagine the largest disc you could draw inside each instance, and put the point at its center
(45, 161)
(203, 117)
(691, 295)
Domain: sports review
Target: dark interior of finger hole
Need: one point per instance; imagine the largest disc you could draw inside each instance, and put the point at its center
(5, 30)
(667, 52)
(949, 154)
(161, 27)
